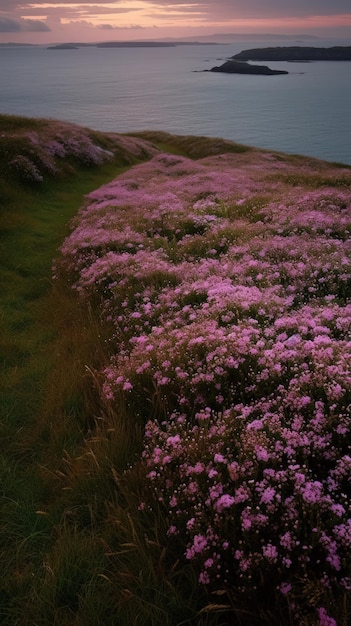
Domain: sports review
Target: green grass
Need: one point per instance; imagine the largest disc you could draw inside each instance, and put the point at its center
(13, 123)
(192, 146)
(48, 405)
(74, 549)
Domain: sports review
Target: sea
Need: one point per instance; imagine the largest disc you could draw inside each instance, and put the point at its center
(167, 88)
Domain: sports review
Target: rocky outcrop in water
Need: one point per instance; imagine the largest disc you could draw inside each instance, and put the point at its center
(237, 67)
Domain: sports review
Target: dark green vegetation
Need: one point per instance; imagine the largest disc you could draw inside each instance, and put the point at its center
(72, 548)
(295, 53)
(192, 146)
(53, 561)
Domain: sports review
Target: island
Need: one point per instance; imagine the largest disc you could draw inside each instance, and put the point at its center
(237, 67)
(63, 46)
(295, 53)
(136, 44)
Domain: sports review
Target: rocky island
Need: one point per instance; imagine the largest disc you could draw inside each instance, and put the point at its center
(295, 53)
(237, 67)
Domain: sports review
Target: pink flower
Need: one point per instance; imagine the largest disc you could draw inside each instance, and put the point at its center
(325, 619)
(268, 495)
(204, 578)
(199, 544)
(224, 502)
(219, 458)
(173, 440)
(285, 588)
(270, 552)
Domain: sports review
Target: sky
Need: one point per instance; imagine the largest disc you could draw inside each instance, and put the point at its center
(56, 21)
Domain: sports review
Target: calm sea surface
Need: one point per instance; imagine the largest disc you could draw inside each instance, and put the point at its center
(121, 90)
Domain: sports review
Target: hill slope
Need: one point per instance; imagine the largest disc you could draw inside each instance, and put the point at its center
(183, 456)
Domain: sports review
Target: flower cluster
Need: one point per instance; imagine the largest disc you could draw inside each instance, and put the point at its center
(31, 156)
(26, 171)
(227, 290)
(265, 487)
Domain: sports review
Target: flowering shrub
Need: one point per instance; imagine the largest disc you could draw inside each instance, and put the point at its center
(228, 293)
(26, 170)
(259, 492)
(30, 155)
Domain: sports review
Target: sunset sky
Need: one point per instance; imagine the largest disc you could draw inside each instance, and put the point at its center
(46, 21)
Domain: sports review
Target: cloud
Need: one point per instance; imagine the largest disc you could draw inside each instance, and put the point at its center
(23, 6)
(7, 5)
(262, 8)
(8, 25)
(34, 26)
(112, 27)
(216, 10)
(66, 11)
(231, 8)
(20, 16)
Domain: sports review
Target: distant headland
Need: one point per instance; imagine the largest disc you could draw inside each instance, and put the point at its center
(63, 46)
(237, 64)
(125, 44)
(295, 53)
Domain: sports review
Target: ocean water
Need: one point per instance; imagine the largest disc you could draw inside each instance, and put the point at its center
(130, 89)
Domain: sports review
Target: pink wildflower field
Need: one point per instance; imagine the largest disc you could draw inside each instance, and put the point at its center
(225, 283)
(51, 148)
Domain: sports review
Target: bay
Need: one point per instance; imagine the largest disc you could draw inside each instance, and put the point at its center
(130, 89)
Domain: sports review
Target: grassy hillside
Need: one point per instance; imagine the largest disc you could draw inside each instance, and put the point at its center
(47, 403)
(176, 387)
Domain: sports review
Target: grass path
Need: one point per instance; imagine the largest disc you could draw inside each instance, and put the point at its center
(32, 227)
(32, 230)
